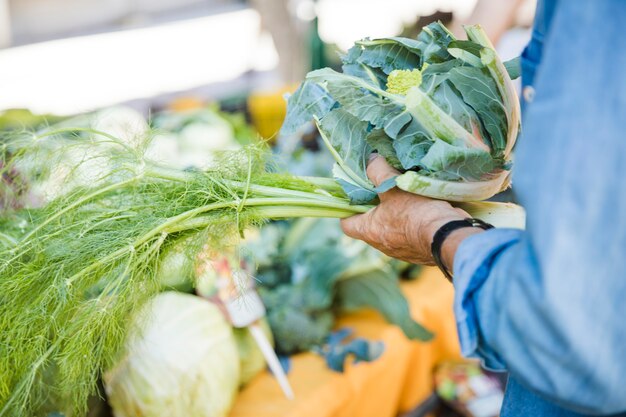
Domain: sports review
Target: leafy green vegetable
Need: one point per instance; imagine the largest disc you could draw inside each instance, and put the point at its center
(315, 272)
(384, 145)
(441, 109)
(295, 329)
(336, 352)
(180, 360)
(454, 163)
(374, 289)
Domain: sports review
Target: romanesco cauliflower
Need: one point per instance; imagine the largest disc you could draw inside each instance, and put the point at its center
(400, 81)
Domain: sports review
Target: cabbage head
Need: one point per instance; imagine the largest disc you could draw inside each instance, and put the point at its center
(181, 360)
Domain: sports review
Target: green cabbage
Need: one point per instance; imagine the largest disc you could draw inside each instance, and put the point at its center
(180, 361)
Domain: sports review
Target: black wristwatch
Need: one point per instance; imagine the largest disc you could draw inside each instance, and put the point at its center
(444, 231)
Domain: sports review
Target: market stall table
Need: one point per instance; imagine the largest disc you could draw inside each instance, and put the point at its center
(397, 381)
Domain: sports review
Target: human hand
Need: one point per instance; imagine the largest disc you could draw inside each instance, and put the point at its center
(403, 224)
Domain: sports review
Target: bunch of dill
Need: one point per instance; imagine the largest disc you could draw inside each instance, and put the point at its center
(74, 269)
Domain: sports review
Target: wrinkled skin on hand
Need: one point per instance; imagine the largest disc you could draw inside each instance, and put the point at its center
(403, 224)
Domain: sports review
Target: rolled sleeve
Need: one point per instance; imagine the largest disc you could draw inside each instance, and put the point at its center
(473, 263)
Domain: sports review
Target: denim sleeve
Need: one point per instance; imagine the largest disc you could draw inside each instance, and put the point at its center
(548, 304)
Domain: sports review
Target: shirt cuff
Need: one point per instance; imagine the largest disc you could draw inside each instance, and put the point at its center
(473, 262)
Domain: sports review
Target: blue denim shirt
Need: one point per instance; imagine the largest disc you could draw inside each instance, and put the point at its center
(549, 303)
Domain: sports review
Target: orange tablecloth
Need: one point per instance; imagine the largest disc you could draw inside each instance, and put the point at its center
(397, 381)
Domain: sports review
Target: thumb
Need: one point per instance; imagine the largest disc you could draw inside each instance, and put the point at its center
(378, 170)
(354, 226)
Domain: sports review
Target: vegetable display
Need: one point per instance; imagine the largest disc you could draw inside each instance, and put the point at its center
(75, 267)
(74, 270)
(308, 272)
(180, 361)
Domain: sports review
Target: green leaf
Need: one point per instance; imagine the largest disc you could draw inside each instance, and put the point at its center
(379, 290)
(351, 66)
(357, 193)
(325, 265)
(412, 45)
(396, 122)
(466, 51)
(467, 46)
(437, 122)
(345, 136)
(308, 101)
(386, 185)
(412, 144)
(390, 54)
(480, 91)
(383, 144)
(364, 101)
(513, 67)
(435, 74)
(451, 102)
(434, 40)
(450, 162)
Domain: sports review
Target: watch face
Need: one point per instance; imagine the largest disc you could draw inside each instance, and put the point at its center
(479, 223)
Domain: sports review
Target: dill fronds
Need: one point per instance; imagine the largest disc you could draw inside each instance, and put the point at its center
(73, 270)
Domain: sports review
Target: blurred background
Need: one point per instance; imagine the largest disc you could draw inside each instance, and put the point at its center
(69, 56)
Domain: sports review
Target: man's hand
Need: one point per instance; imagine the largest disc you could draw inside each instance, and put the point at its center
(403, 224)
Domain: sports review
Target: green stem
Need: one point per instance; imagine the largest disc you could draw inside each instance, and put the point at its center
(275, 213)
(327, 184)
(290, 207)
(438, 122)
(169, 174)
(262, 190)
(500, 75)
(266, 191)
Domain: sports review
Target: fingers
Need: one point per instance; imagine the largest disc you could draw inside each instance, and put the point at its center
(378, 170)
(354, 226)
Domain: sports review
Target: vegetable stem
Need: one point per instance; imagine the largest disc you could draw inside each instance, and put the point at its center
(274, 213)
(438, 122)
(281, 208)
(499, 73)
(325, 183)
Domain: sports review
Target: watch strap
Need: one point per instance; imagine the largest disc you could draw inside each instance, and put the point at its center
(444, 231)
